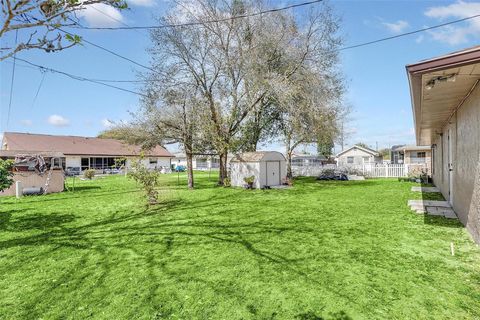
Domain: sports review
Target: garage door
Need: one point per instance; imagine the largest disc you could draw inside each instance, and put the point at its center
(273, 173)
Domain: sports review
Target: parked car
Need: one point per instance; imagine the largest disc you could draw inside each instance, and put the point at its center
(73, 171)
(111, 171)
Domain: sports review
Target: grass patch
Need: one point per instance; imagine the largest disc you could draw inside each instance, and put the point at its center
(321, 250)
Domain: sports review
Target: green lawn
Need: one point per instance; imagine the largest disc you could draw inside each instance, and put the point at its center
(321, 250)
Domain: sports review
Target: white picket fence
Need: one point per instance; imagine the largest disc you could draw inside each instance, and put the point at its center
(369, 170)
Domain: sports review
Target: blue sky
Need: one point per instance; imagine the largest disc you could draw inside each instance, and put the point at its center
(377, 84)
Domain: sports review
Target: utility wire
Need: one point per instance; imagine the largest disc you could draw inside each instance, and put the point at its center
(199, 23)
(39, 87)
(79, 78)
(408, 33)
(11, 82)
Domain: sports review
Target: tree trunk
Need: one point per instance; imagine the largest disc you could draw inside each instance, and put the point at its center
(189, 156)
(223, 168)
(289, 164)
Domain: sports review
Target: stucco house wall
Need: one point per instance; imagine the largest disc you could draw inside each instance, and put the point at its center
(464, 132)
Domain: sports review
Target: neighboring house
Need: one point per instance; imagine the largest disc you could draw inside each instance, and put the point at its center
(417, 155)
(85, 152)
(357, 156)
(445, 94)
(307, 160)
(199, 162)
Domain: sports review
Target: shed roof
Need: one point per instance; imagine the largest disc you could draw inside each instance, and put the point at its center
(256, 156)
(74, 145)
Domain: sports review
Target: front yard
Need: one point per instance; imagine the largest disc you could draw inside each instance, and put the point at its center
(322, 250)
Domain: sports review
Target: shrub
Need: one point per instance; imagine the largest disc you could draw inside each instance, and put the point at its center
(227, 183)
(89, 174)
(5, 174)
(147, 178)
(249, 181)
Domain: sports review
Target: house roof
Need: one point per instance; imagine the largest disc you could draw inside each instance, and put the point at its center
(439, 87)
(255, 156)
(368, 150)
(45, 154)
(308, 156)
(74, 145)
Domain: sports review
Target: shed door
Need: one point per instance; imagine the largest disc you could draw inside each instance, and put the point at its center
(273, 173)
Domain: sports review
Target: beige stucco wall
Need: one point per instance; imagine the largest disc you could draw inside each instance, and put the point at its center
(465, 141)
(31, 179)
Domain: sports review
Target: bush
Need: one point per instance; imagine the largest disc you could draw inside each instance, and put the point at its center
(227, 183)
(147, 178)
(5, 174)
(89, 174)
(249, 181)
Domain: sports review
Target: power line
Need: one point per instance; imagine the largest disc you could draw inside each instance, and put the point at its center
(39, 87)
(110, 51)
(11, 83)
(408, 33)
(79, 78)
(188, 24)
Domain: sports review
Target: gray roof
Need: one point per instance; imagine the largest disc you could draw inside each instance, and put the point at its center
(256, 156)
(368, 150)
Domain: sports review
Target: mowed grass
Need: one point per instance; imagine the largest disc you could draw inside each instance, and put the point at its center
(321, 250)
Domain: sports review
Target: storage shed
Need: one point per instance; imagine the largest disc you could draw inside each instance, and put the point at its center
(268, 167)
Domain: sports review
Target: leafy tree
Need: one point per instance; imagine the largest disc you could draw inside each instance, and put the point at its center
(385, 152)
(362, 144)
(5, 174)
(325, 145)
(44, 20)
(236, 67)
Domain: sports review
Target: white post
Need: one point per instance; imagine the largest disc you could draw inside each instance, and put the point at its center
(18, 189)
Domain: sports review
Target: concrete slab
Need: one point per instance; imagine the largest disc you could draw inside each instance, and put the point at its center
(429, 203)
(451, 215)
(426, 189)
(438, 211)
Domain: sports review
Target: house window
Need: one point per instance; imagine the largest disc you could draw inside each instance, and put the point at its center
(349, 159)
(85, 163)
(418, 157)
(366, 159)
(152, 160)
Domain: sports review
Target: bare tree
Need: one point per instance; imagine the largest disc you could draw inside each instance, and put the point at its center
(44, 19)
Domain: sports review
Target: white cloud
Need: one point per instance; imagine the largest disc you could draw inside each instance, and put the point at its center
(26, 122)
(101, 15)
(396, 27)
(419, 39)
(107, 123)
(451, 34)
(58, 121)
(142, 3)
